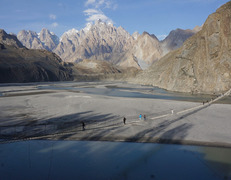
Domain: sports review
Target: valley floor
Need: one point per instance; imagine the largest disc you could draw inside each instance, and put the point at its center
(35, 113)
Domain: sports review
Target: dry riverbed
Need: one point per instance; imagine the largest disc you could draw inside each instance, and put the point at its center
(30, 112)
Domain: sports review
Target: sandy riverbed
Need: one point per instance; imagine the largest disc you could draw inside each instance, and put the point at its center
(61, 111)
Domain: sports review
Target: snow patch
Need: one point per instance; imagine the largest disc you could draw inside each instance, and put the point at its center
(69, 33)
(88, 27)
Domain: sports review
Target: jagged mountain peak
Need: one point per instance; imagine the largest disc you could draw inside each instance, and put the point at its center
(47, 32)
(71, 32)
(49, 40)
(135, 35)
(27, 32)
(151, 35)
(99, 40)
(43, 40)
(175, 39)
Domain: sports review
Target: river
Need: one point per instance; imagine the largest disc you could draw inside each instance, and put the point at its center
(44, 159)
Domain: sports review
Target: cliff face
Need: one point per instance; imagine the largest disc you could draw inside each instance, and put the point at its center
(144, 52)
(202, 64)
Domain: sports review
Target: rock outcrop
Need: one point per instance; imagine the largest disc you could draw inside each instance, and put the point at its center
(19, 64)
(202, 64)
(96, 67)
(145, 50)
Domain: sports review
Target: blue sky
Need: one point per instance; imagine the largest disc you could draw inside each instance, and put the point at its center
(157, 17)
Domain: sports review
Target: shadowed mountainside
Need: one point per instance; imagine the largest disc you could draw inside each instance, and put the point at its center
(19, 64)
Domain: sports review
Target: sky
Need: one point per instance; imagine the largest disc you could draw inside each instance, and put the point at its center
(157, 17)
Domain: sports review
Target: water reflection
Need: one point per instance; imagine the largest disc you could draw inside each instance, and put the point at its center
(111, 160)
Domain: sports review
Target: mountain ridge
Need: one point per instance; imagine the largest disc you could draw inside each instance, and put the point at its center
(101, 41)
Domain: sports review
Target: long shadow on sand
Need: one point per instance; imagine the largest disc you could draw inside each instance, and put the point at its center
(98, 126)
(160, 133)
(58, 125)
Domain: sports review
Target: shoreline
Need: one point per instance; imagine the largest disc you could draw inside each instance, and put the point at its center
(154, 140)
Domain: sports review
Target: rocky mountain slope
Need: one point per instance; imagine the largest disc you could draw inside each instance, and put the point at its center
(19, 64)
(148, 49)
(102, 41)
(10, 40)
(176, 38)
(145, 50)
(99, 41)
(202, 64)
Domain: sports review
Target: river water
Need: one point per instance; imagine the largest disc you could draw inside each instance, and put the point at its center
(131, 91)
(44, 159)
(115, 89)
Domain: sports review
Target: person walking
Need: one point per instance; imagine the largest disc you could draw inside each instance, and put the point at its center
(140, 117)
(83, 125)
(124, 119)
(144, 117)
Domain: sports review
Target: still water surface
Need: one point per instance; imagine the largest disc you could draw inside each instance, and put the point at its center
(43, 159)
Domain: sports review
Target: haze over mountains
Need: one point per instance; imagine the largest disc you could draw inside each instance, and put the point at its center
(103, 41)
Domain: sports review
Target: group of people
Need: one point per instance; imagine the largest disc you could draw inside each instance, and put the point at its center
(140, 118)
(124, 120)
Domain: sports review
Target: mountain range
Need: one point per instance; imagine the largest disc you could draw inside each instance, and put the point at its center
(195, 61)
(102, 41)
